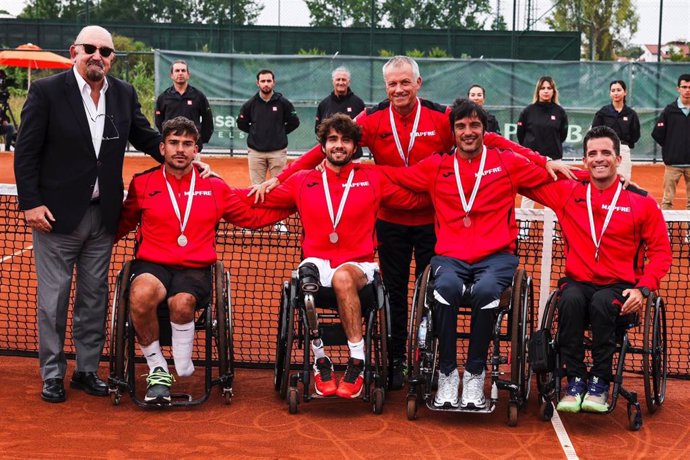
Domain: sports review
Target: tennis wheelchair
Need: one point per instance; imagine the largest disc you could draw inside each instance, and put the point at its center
(651, 349)
(213, 317)
(513, 325)
(307, 313)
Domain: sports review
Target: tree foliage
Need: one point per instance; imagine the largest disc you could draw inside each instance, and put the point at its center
(424, 14)
(602, 22)
(146, 11)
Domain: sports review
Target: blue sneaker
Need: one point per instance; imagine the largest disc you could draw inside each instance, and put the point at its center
(572, 399)
(597, 397)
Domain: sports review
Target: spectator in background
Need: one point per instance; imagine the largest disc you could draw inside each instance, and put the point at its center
(341, 100)
(623, 120)
(268, 117)
(476, 94)
(543, 125)
(184, 100)
(672, 133)
(6, 129)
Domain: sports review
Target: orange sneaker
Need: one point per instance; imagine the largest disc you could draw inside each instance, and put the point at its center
(324, 377)
(351, 384)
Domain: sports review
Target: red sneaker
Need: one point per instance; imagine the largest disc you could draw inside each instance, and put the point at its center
(324, 377)
(351, 384)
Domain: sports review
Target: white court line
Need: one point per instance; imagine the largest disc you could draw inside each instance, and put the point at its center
(16, 253)
(563, 437)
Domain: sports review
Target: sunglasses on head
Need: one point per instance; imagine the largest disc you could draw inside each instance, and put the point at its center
(91, 49)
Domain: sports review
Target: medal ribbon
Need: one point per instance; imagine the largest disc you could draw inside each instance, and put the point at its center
(467, 206)
(329, 203)
(413, 133)
(609, 214)
(190, 199)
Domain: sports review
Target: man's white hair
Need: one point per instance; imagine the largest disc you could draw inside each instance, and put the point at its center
(340, 69)
(399, 61)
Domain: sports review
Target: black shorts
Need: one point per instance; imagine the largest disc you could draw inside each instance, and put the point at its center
(195, 281)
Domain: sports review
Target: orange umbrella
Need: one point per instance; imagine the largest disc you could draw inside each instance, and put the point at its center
(33, 57)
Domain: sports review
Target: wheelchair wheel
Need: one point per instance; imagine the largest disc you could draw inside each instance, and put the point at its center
(383, 327)
(289, 338)
(654, 356)
(634, 417)
(545, 409)
(418, 311)
(118, 340)
(281, 337)
(548, 382)
(521, 305)
(377, 399)
(293, 399)
(223, 310)
(411, 408)
(513, 413)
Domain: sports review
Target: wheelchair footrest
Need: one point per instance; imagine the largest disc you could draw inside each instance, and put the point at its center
(490, 407)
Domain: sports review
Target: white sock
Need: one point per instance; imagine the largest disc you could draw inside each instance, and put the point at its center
(182, 344)
(317, 349)
(153, 355)
(356, 349)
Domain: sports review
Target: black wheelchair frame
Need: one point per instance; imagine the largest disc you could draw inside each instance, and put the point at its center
(423, 359)
(215, 318)
(653, 352)
(297, 315)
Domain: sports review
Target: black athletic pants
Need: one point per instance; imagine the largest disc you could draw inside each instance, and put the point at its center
(581, 304)
(396, 246)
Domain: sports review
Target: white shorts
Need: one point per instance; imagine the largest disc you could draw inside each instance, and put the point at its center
(326, 271)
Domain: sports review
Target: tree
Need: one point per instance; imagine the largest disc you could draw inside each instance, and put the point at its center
(434, 14)
(400, 14)
(603, 22)
(147, 11)
(349, 13)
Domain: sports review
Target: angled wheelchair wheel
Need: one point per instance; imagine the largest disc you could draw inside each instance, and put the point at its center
(281, 336)
(223, 320)
(118, 335)
(416, 314)
(383, 326)
(290, 321)
(548, 382)
(654, 357)
(521, 307)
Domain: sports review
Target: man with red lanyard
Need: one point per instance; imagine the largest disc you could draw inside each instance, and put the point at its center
(177, 212)
(473, 193)
(341, 245)
(402, 131)
(617, 251)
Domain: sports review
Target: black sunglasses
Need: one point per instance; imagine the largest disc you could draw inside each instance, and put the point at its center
(90, 49)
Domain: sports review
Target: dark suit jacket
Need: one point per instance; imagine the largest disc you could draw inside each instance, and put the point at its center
(55, 163)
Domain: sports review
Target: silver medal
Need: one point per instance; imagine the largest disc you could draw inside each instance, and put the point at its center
(182, 240)
(467, 221)
(333, 237)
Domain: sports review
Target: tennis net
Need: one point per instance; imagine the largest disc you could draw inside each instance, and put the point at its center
(259, 261)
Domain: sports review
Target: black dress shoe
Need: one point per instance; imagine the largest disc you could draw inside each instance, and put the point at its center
(90, 383)
(53, 391)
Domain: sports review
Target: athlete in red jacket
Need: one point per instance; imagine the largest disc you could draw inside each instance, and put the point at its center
(617, 250)
(402, 131)
(473, 192)
(338, 207)
(177, 212)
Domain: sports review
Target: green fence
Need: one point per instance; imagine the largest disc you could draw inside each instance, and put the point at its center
(227, 38)
(229, 80)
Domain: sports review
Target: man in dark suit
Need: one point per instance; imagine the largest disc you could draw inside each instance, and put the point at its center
(68, 165)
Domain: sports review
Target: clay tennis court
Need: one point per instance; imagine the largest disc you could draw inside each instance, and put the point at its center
(257, 424)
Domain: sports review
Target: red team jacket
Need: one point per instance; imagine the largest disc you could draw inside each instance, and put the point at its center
(493, 228)
(148, 202)
(434, 134)
(636, 223)
(356, 240)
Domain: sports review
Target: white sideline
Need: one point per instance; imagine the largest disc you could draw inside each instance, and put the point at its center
(563, 437)
(16, 253)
